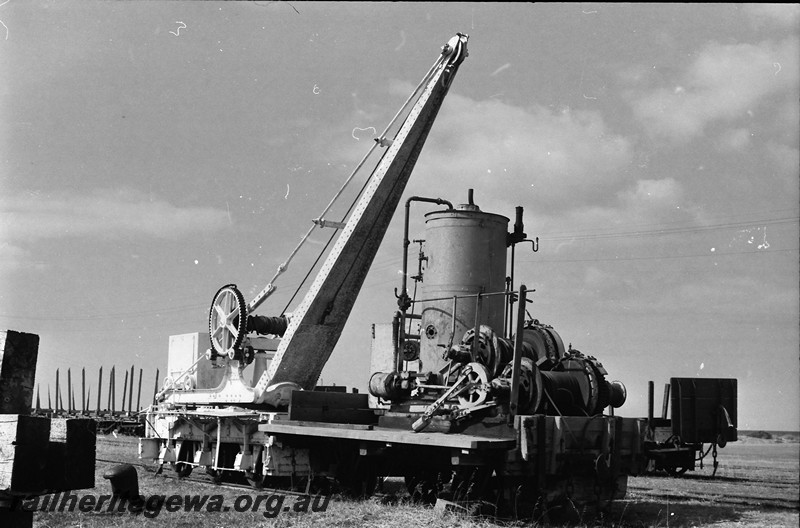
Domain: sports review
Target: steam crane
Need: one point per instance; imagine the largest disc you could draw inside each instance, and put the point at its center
(469, 398)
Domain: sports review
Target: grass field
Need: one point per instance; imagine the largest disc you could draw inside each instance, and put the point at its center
(757, 484)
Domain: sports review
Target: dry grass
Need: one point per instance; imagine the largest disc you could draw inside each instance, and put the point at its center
(753, 478)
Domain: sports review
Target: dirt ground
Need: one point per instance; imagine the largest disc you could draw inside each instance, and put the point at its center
(757, 484)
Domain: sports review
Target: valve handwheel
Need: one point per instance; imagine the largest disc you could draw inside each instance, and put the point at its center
(227, 322)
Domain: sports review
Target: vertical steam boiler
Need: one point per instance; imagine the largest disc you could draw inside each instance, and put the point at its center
(465, 250)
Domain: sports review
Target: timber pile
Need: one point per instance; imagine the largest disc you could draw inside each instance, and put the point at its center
(38, 455)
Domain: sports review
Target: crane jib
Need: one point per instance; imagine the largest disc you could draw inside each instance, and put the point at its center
(318, 321)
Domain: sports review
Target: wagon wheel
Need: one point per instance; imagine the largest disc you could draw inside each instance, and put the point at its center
(675, 471)
(426, 487)
(358, 483)
(181, 468)
(256, 477)
(356, 476)
(476, 487)
(215, 474)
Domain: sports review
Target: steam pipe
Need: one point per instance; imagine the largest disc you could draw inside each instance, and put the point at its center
(395, 344)
(402, 300)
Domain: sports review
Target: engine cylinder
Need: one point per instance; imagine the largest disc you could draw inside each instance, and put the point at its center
(466, 252)
(387, 385)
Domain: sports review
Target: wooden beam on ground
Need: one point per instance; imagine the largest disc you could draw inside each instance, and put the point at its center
(23, 448)
(71, 454)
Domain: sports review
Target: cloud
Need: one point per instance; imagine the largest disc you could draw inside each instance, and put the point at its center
(569, 170)
(783, 15)
(104, 214)
(14, 258)
(726, 82)
(734, 139)
(552, 159)
(727, 293)
(653, 194)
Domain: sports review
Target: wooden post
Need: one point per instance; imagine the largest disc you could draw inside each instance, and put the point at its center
(130, 394)
(665, 404)
(124, 391)
(113, 390)
(83, 390)
(69, 391)
(110, 389)
(99, 390)
(155, 388)
(139, 393)
(18, 354)
(49, 403)
(58, 394)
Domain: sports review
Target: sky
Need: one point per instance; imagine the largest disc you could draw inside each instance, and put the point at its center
(152, 152)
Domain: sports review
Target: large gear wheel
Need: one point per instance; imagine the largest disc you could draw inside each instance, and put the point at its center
(227, 321)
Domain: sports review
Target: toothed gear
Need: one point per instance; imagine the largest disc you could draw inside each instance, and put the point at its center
(227, 321)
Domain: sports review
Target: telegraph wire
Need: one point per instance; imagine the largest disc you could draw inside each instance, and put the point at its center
(665, 257)
(392, 262)
(659, 226)
(672, 230)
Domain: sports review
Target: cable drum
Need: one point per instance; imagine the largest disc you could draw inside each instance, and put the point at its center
(544, 342)
(490, 351)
